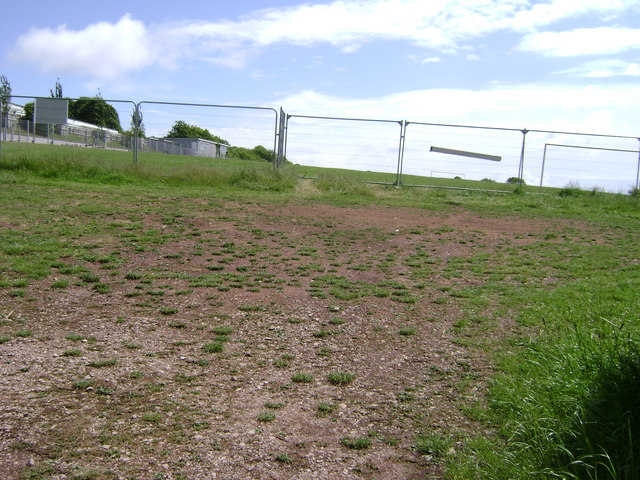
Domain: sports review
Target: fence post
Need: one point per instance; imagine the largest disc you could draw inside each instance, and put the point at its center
(286, 134)
(1, 124)
(137, 121)
(403, 132)
(281, 133)
(544, 159)
(521, 166)
(638, 169)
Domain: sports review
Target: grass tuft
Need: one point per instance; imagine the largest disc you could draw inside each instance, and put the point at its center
(359, 443)
(340, 378)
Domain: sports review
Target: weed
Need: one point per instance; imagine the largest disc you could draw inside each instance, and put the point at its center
(103, 363)
(24, 333)
(322, 333)
(60, 284)
(284, 458)
(405, 397)
(223, 330)
(433, 444)
(82, 384)
(183, 378)
(325, 408)
(392, 441)
(168, 310)
(340, 378)
(281, 363)
(213, 347)
(74, 337)
(266, 417)
(359, 443)
(302, 378)
(407, 331)
(72, 353)
(152, 417)
(88, 277)
(101, 287)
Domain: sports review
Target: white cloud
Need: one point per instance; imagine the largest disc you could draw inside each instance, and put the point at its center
(543, 107)
(545, 13)
(101, 50)
(108, 50)
(431, 60)
(603, 69)
(582, 41)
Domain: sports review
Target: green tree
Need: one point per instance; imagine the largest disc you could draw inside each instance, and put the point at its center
(96, 111)
(136, 119)
(256, 154)
(58, 90)
(515, 180)
(182, 129)
(264, 153)
(5, 96)
(28, 111)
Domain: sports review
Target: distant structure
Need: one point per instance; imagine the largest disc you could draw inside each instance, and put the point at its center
(196, 147)
(15, 111)
(76, 132)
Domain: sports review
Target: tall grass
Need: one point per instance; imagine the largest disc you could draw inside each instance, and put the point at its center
(116, 168)
(568, 401)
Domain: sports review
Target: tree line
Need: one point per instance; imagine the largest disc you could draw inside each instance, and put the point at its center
(94, 110)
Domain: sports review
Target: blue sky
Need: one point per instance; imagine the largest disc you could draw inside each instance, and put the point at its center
(554, 65)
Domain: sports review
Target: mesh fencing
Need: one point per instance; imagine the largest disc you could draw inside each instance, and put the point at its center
(404, 148)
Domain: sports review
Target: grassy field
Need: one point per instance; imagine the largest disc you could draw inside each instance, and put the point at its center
(188, 316)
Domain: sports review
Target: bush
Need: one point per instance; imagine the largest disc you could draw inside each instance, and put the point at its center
(517, 180)
(572, 189)
(256, 154)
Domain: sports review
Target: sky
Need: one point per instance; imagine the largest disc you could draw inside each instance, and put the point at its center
(560, 65)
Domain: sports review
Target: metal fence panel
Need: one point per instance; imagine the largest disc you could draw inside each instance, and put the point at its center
(541, 158)
(599, 166)
(241, 126)
(344, 143)
(419, 159)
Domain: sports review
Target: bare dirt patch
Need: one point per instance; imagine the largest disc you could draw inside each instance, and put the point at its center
(245, 341)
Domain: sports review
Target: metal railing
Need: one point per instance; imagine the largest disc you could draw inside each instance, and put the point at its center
(401, 147)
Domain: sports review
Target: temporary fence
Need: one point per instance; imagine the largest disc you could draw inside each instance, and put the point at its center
(476, 152)
(73, 133)
(407, 149)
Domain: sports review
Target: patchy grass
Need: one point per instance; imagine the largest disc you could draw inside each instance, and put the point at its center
(494, 337)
